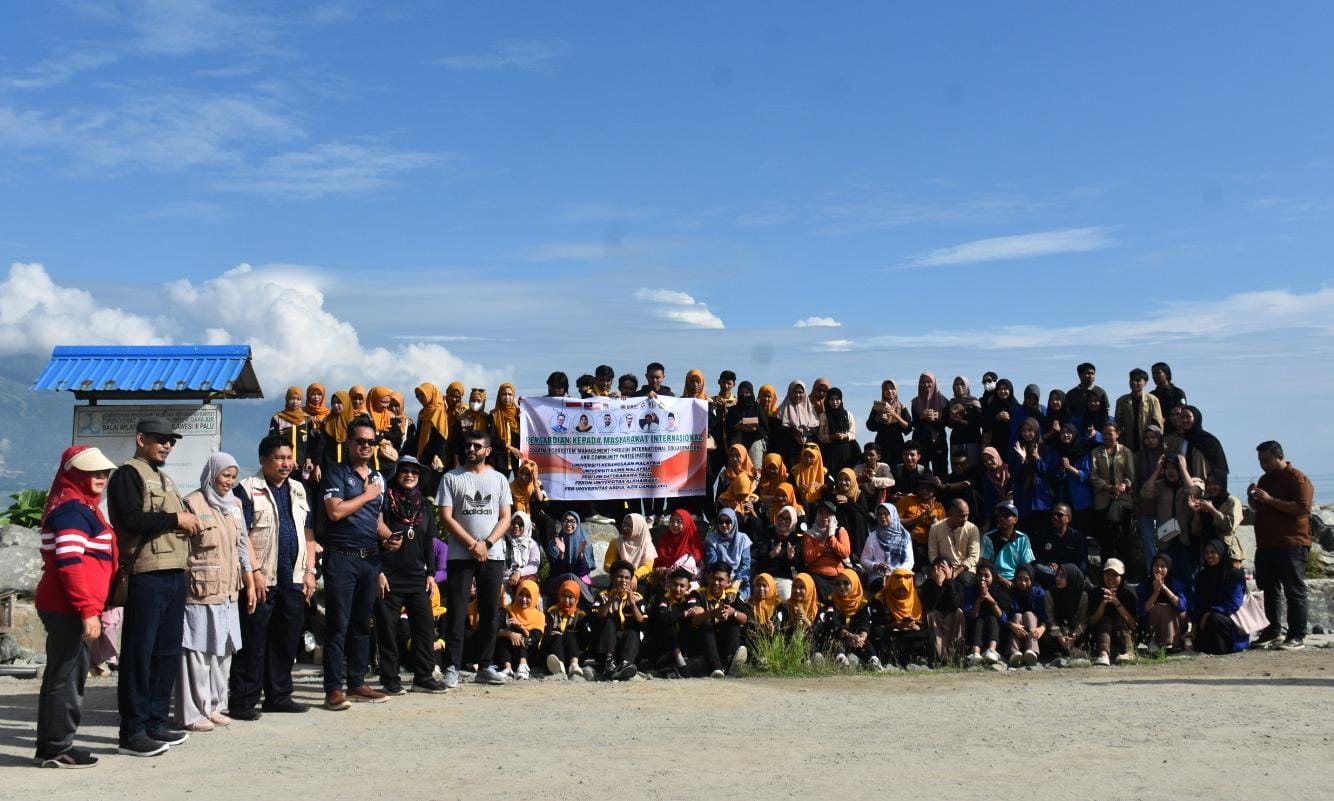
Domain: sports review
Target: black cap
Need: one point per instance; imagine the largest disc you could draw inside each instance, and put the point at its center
(408, 458)
(160, 426)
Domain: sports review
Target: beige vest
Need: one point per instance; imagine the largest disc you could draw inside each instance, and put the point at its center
(213, 569)
(165, 551)
(264, 527)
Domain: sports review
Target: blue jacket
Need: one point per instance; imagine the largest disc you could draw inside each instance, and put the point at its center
(1065, 486)
(1036, 498)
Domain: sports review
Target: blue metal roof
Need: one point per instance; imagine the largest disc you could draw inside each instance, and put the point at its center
(144, 371)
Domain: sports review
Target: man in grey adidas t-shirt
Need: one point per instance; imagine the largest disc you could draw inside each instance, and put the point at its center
(475, 505)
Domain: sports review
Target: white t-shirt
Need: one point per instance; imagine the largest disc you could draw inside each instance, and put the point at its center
(476, 500)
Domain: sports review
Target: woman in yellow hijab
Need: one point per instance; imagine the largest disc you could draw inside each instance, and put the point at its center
(520, 637)
(315, 407)
(848, 624)
(432, 446)
(803, 605)
(809, 476)
(561, 641)
(297, 427)
(378, 408)
(899, 620)
(357, 401)
(764, 602)
(740, 477)
(335, 429)
(505, 426)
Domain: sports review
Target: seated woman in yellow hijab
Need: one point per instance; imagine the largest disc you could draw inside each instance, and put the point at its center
(898, 623)
(740, 478)
(846, 625)
(809, 477)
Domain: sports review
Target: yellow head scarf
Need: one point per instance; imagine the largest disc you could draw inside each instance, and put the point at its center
(523, 491)
(506, 418)
(316, 410)
(811, 607)
(702, 393)
(900, 595)
(335, 425)
(532, 617)
(295, 416)
(357, 399)
(851, 603)
(856, 491)
(432, 417)
(764, 610)
(382, 419)
(770, 406)
(809, 478)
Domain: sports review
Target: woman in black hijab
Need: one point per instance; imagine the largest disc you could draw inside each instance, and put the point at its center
(1220, 590)
(1067, 614)
(838, 438)
(1204, 453)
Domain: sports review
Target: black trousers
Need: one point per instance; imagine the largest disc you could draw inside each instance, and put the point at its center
(984, 629)
(60, 706)
(150, 650)
(718, 642)
(621, 644)
(488, 575)
(1283, 568)
(564, 646)
(270, 642)
(665, 634)
(421, 633)
(506, 652)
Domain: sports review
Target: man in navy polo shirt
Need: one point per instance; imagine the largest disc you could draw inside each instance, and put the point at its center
(353, 494)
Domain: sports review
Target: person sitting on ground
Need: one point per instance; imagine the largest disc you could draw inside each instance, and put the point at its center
(778, 551)
(1220, 590)
(846, 625)
(803, 605)
(986, 606)
(667, 627)
(565, 623)
(717, 615)
(1217, 515)
(888, 548)
(897, 619)
(1162, 606)
(680, 547)
(1112, 616)
(520, 637)
(619, 617)
(767, 606)
(523, 556)
(634, 544)
(942, 598)
(825, 546)
(1027, 619)
(1067, 615)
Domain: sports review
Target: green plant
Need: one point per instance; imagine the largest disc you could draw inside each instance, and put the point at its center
(26, 510)
(780, 653)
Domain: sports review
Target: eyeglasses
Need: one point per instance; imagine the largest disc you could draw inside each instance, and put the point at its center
(725, 523)
(407, 472)
(364, 443)
(163, 439)
(473, 446)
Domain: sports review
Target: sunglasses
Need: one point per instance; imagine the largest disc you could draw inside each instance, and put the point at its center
(474, 446)
(402, 471)
(363, 442)
(163, 439)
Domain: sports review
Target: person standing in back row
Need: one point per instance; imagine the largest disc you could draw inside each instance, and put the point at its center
(475, 504)
(1282, 501)
(152, 525)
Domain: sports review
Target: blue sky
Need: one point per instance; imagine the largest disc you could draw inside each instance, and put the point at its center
(494, 190)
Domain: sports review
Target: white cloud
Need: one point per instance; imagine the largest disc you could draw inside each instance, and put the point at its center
(836, 345)
(1246, 313)
(817, 322)
(182, 27)
(679, 307)
(279, 311)
(517, 54)
(58, 69)
(1021, 246)
(36, 315)
(330, 168)
(569, 251)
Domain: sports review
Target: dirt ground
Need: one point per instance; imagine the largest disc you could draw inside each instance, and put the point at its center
(1257, 726)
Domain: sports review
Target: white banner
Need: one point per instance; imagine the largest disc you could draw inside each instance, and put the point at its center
(603, 448)
(111, 429)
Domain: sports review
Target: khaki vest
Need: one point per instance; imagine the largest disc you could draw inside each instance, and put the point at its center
(165, 551)
(213, 569)
(264, 528)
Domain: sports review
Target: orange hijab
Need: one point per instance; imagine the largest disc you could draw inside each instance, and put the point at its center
(824, 382)
(532, 617)
(336, 425)
(764, 610)
(432, 417)
(506, 418)
(382, 419)
(747, 466)
(566, 611)
(789, 499)
(770, 408)
(316, 410)
(811, 476)
(771, 479)
(853, 602)
(811, 608)
(702, 394)
(452, 412)
(357, 400)
(856, 491)
(295, 416)
(522, 491)
(900, 595)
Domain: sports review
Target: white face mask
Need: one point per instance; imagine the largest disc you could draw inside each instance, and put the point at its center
(989, 385)
(476, 406)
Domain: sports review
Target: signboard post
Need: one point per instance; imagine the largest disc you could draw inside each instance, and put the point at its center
(111, 429)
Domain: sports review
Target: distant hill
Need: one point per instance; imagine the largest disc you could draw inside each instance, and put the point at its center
(36, 426)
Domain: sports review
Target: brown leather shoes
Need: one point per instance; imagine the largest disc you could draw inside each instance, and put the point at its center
(366, 693)
(336, 701)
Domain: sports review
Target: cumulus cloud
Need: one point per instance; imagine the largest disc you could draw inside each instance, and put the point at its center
(1021, 246)
(817, 322)
(679, 307)
(526, 54)
(36, 314)
(280, 312)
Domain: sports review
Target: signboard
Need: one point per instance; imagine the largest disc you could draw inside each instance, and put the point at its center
(111, 429)
(603, 448)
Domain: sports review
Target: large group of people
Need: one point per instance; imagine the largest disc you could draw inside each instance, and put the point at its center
(959, 529)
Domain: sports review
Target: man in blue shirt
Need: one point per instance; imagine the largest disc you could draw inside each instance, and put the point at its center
(353, 494)
(1006, 546)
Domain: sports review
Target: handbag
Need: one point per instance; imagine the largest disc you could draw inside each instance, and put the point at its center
(120, 583)
(1250, 617)
(1168, 531)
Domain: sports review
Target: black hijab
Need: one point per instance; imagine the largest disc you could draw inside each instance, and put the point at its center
(1213, 585)
(1065, 602)
(837, 419)
(1207, 444)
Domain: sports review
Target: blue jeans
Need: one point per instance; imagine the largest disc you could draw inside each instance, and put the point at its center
(1148, 538)
(351, 585)
(150, 650)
